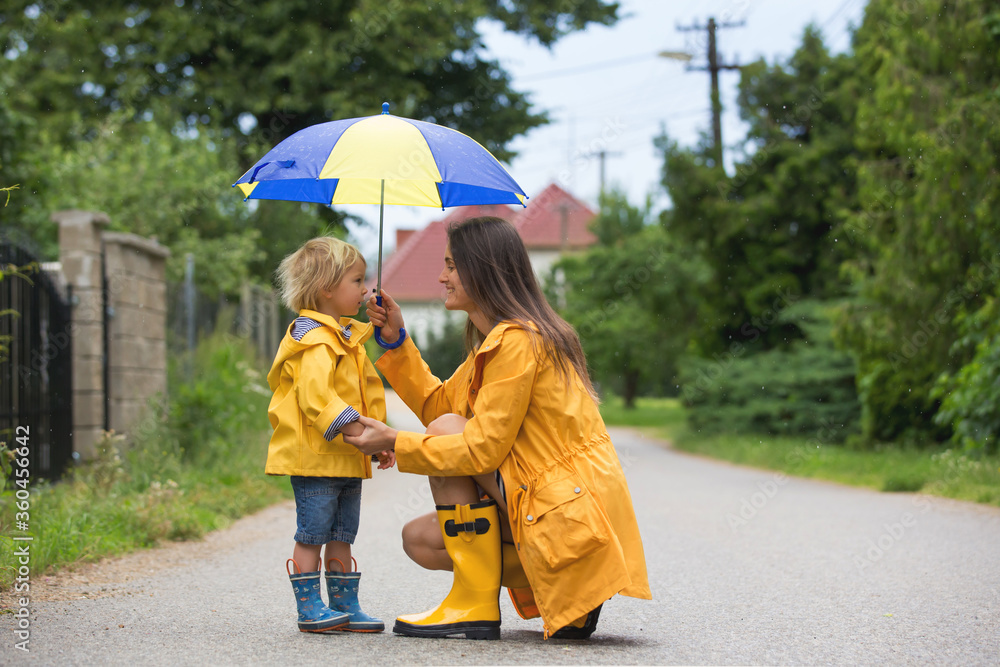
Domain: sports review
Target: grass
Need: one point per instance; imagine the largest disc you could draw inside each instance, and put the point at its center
(947, 473)
(665, 413)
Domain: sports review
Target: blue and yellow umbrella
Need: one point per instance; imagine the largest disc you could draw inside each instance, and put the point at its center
(381, 160)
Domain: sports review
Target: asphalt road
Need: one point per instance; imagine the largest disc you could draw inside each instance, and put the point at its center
(746, 567)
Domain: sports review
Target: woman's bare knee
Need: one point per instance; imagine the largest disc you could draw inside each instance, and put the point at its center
(423, 543)
(412, 535)
(447, 424)
(418, 532)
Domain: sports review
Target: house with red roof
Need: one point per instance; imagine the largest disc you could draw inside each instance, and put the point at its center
(552, 223)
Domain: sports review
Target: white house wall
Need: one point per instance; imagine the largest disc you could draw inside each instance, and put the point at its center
(422, 317)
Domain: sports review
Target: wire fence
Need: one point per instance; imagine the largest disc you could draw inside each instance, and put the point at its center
(255, 315)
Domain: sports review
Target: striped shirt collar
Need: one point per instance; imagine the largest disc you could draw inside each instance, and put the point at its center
(311, 319)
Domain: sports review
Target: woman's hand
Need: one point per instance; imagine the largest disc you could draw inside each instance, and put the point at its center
(376, 438)
(352, 428)
(388, 316)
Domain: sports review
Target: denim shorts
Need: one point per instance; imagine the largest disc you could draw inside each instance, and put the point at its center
(327, 509)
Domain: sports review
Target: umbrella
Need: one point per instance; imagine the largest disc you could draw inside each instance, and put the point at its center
(381, 160)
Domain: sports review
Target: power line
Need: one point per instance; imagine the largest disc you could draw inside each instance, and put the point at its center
(633, 124)
(617, 62)
(835, 14)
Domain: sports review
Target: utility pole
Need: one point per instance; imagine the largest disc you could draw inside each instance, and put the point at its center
(563, 227)
(602, 155)
(714, 66)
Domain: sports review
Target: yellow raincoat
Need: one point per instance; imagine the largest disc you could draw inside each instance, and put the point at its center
(570, 509)
(318, 375)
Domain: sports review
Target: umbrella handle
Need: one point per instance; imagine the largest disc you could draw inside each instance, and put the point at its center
(378, 332)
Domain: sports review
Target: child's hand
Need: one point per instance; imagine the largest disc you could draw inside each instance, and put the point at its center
(386, 459)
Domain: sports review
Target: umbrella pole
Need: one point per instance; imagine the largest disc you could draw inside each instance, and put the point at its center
(378, 288)
(381, 214)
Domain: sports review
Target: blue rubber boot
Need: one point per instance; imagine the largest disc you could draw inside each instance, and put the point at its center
(314, 616)
(342, 588)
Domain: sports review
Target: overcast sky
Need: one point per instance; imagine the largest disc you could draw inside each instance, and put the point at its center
(606, 89)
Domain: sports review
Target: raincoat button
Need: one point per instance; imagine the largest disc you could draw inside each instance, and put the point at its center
(576, 490)
(529, 518)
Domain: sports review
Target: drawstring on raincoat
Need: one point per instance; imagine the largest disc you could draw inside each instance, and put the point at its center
(520, 493)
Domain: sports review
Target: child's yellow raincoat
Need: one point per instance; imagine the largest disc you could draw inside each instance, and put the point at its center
(570, 509)
(317, 375)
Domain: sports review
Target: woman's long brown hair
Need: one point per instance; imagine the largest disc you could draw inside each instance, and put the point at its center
(496, 273)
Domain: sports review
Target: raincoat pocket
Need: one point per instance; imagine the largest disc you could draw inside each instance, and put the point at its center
(564, 523)
(320, 445)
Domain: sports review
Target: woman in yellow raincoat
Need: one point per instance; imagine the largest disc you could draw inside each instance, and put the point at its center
(517, 424)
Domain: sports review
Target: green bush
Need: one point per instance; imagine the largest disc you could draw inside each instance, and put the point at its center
(971, 397)
(226, 395)
(806, 388)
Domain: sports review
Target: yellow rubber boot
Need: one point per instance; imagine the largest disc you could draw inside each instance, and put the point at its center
(472, 608)
(516, 582)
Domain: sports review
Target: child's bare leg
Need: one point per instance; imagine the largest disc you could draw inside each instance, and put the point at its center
(307, 556)
(342, 552)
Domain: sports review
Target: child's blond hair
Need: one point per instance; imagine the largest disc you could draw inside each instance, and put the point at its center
(319, 264)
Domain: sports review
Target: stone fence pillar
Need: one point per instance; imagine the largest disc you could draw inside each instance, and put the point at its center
(137, 345)
(82, 266)
(118, 279)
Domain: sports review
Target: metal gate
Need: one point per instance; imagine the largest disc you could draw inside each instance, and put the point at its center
(36, 379)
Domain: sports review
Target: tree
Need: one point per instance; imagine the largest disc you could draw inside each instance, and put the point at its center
(11, 271)
(762, 357)
(16, 135)
(279, 66)
(767, 231)
(215, 83)
(928, 253)
(631, 299)
(161, 186)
